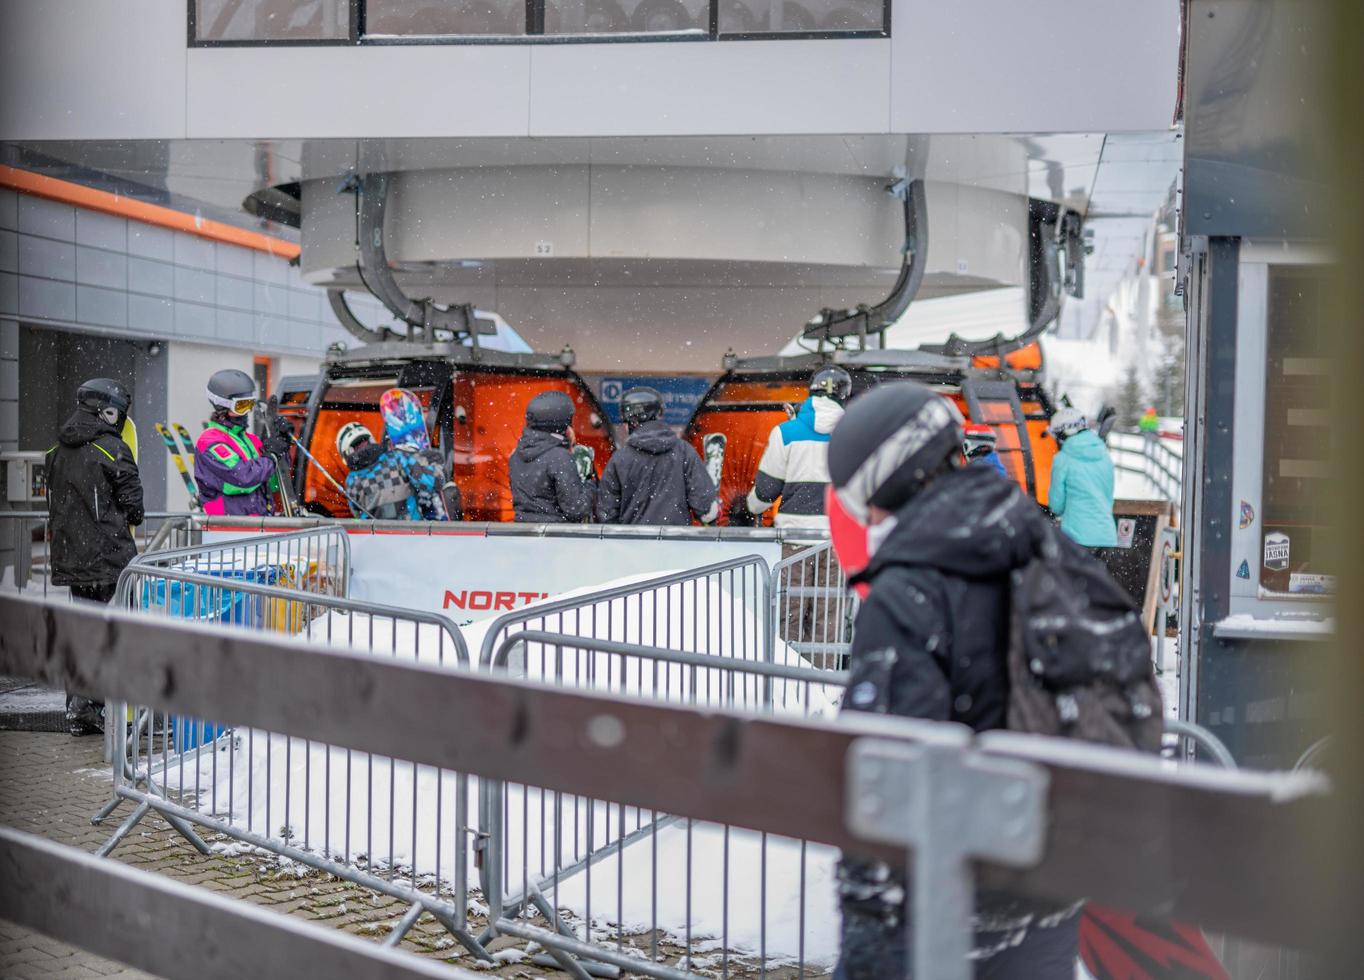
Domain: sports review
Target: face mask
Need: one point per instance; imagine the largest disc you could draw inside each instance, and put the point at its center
(849, 538)
(109, 415)
(877, 534)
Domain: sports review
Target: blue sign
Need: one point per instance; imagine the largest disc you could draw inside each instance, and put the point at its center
(680, 395)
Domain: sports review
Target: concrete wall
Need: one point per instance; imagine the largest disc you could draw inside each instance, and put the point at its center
(119, 69)
(65, 266)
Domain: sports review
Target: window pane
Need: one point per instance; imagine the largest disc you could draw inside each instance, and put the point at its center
(444, 17)
(627, 16)
(800, 16)
(1298, 434)
(272, 20)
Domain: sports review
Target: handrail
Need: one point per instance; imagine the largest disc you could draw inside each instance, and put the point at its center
(1202, 736)
(633, 532)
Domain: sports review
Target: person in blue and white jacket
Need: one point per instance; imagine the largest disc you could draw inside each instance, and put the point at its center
(795, 465)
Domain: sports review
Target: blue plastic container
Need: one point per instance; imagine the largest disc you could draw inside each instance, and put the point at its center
(199, 603)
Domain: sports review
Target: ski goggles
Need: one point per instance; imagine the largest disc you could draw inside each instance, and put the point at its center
(241, 406)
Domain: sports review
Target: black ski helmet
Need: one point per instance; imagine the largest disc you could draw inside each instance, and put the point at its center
(229, 390)
(550, 411)
(831, 381)
(639, 405)
(889, 442)
(98, 394)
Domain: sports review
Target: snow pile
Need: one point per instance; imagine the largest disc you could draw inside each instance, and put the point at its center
(400, 818)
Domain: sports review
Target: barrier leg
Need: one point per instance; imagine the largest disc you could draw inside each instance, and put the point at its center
(396, 934)
(124, 829)
(103, 813)
(463, 935)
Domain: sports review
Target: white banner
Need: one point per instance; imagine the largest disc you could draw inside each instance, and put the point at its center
(471, 576)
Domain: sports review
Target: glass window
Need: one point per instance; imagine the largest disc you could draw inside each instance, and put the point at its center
(271, 20)
(800, 16)
(399, 18)
(627, 16)
(1298, 435)
(332, 21)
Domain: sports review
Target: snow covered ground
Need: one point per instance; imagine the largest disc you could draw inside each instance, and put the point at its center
(745, 890)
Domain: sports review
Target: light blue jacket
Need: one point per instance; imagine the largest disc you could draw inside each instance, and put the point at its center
(1082, 491)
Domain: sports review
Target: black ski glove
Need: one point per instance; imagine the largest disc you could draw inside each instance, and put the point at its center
(275, 445)
(740, 515)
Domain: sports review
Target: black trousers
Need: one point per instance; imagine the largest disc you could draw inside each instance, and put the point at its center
(875, 950)
(85, 716)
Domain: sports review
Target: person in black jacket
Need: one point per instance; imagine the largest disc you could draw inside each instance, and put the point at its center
(93, 494)
(655, 478)
(545, 485)
(930, 641)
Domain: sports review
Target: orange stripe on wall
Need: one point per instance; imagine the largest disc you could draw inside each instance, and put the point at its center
(27, 182)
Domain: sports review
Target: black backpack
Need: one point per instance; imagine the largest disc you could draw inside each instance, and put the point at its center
(1079, 657)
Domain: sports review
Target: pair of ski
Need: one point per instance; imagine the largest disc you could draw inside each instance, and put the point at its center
(163, 429)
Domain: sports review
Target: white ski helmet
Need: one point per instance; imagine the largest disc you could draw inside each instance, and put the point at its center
(1066, 422)
(350, 436)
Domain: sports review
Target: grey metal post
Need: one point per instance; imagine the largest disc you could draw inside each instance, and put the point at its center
(949, 805)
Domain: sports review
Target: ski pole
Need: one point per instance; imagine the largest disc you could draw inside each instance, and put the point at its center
(330, 479)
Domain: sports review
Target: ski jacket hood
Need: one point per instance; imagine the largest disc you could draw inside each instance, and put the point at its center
(1086, 446)
(822, 414)
(84, 426)
(534, 443)
(653, 437)
(968, 522)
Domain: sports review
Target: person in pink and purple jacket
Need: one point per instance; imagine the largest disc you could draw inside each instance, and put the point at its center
(233, 467)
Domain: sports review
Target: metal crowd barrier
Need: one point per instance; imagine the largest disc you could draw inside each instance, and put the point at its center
(812, 607)
(720, 608)
(314, 559)
(25, 537)
(541, 850)
(394, 827)
(1001, 809)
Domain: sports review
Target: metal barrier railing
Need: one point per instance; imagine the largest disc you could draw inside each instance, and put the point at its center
(1008, 810)
(1148, 455)
(541, 850)
(717, 608)
(812, 607)
(393, 827)
(315, 559)
(25, 537)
